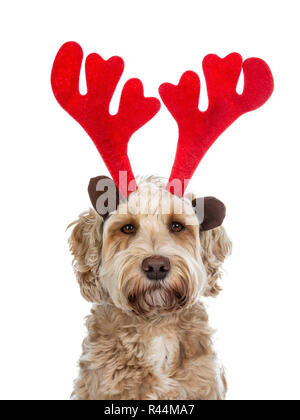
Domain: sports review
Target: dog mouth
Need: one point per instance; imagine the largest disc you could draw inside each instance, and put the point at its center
(143, 296)
(160, 296)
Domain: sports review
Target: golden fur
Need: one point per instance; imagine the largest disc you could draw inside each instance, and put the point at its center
(148, 340)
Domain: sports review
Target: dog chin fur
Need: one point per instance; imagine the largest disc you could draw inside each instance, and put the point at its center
(148, 339)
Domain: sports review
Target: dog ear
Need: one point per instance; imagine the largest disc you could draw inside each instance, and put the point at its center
(104, 195)
(215, 247)
(210, 212)
(85, 245)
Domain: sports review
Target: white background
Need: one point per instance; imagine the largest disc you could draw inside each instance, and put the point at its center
(47, 160)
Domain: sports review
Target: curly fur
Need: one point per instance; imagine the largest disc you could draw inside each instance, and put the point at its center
(216, 246)
(147, 341)
(85, 245)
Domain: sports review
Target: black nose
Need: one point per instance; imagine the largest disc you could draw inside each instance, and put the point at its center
(156, 267)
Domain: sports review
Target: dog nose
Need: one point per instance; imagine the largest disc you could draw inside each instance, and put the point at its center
(156, 267)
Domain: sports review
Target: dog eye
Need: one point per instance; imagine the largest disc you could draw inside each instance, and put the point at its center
(176, 227)
(128, 229)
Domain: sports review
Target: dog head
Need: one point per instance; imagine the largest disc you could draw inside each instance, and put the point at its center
(149, 255)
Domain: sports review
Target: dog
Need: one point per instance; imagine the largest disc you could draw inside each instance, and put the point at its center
(147, 256)
(146, 271)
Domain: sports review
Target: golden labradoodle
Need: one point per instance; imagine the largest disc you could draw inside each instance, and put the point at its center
(146, 271)
(146, 261)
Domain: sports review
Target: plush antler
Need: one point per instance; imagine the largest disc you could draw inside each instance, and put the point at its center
(110, 133)
(198, 130)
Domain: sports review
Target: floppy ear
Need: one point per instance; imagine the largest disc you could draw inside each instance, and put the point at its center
(104, 195)
(85, 245)
(210, 212)
(216, 246)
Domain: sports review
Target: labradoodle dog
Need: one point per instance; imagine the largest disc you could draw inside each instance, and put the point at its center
(146, 270)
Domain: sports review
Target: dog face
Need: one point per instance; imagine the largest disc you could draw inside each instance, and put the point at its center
(149, 256)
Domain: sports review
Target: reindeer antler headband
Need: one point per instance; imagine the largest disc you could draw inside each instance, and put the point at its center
(197, 130)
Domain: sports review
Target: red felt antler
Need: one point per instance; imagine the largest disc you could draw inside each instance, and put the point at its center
(110, 133)
(198, 130)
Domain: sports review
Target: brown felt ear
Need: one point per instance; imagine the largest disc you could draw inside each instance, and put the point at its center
(210, 212)
(104, 195)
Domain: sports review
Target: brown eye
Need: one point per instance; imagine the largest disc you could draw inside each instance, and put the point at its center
(176, 227)
(128, 229)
